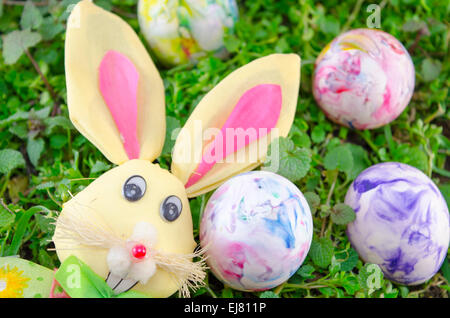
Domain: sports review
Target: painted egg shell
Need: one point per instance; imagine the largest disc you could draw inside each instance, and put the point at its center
(402, 222)
(182, 31)
(257, 228)
(363, 79)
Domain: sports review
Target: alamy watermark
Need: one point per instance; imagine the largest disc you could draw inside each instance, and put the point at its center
(229, 145)
(374, 20)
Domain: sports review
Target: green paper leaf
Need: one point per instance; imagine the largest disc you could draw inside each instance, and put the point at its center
(80, 281)
(342, 214)
(31, 16)
(30, 280)
(9, 160)
(321, 252)
(16, 42)
(292, 163)
(35, 148)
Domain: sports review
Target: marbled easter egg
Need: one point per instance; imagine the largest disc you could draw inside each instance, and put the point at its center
(181, 31)
(363, 79)
(257, 228)
(402, 222)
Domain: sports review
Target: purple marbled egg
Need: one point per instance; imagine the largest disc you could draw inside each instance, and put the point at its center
(402, 222)
(363, 79)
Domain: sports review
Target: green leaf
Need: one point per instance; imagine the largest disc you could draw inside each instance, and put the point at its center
(22, 225)
(269, 294)
(318, 134)
(360, 160)
(9, 160)
(351, 285)
(329, 25)
(342, 214)
(413, 156)
(16, 42)
(31, 16)
(321, 252)
(306, 271)
(349, 260)
(99, 166)
(20, 130)
(58, 141)
(445, 269)
(57, 121)
(227, 293)
(339, 158)
(6, 219)
(49, 29)
(431, 69)
(232, 43)
(287, 160)
(445, 190)
(313, 200)
(35, 148)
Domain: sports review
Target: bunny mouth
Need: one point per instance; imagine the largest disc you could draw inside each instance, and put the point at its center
(120, 285)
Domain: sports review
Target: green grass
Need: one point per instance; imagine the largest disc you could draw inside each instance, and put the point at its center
(43, 157)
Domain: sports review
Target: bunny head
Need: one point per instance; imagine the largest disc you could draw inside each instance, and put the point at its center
(133, 225)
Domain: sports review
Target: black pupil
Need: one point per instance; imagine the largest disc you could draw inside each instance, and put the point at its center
(132, 191)
(170, 211)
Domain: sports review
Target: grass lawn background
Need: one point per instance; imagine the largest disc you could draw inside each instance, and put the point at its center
(42, 156)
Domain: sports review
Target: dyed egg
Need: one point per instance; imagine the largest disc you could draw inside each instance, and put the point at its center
(402, 222)
(363, 79)
(257, 228)
(182, 31)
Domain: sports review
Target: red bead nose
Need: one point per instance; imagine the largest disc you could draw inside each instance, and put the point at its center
(139, 251)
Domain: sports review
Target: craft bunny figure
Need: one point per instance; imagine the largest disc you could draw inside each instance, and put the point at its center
(132, 226)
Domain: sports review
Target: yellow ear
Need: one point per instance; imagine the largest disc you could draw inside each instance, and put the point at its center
(260, 96)
(96, 37)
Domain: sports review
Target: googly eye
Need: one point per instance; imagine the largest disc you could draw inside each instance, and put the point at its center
(134, 188)
(171, 208)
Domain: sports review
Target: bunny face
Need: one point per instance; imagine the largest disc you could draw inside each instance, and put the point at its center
(136, 204)
(133, 224)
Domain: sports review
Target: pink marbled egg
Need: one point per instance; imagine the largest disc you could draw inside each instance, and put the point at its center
(363, 79)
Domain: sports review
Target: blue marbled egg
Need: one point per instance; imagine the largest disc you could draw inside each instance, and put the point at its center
(402, 222)
(257, 230)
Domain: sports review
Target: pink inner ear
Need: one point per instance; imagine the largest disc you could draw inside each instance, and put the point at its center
(118, 79)
(258, 109)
